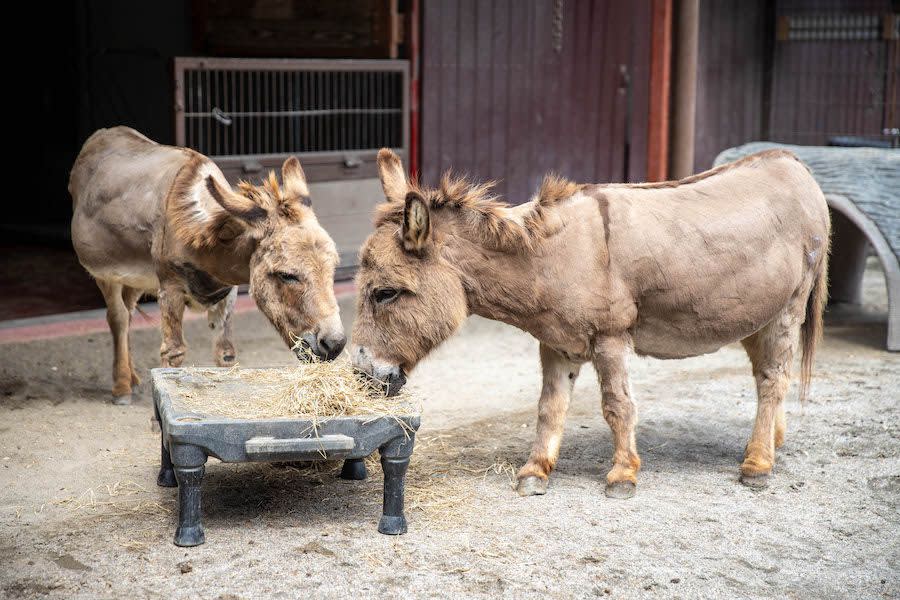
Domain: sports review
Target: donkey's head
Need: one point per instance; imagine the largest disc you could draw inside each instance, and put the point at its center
(411, 298)
(292, 266)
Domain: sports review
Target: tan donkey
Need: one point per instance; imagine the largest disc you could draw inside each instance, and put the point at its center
(595, 272)
(161, 220)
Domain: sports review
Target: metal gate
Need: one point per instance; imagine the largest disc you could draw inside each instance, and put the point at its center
(836, 73)
(248, 115)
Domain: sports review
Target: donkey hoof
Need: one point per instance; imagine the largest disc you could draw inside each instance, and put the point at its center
(532, 486)
(621, 490)
(755, 481)
(123, 400)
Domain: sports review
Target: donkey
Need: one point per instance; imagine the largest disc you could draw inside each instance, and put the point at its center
(155, 219)
(594, 272)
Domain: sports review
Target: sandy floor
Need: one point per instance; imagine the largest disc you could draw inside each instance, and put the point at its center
(81, 516)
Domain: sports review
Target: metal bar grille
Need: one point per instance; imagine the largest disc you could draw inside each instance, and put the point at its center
(834, 80)
(834, 27)
(241, 107)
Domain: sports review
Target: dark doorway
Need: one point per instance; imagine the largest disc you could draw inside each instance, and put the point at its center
(105, 63)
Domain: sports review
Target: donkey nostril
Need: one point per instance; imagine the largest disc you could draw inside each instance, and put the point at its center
(394, 380)
(332, 346)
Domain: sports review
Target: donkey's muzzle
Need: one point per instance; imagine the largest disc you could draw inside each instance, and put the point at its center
(304, 350)
(322, 347)
(380, 374)
(394, 381)
(389, 382)
(331, 346)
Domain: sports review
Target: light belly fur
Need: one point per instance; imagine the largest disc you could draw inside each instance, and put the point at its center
(137, 275)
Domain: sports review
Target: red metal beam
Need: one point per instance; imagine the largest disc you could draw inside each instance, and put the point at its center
(415, 60)
(660, 91)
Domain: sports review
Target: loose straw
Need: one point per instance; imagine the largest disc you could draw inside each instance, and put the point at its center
(315, 390)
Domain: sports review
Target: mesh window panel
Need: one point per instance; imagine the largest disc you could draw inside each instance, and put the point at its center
(239, 112)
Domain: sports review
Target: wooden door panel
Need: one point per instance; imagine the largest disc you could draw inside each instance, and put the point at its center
(511, 90)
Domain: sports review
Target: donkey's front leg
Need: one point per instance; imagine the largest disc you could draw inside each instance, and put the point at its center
(219, 316)
(171, 308)
(559, 377)
(620, 412)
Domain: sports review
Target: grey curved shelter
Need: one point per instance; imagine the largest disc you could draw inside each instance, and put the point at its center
(862, 186)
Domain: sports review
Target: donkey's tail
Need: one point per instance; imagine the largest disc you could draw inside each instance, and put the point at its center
(811, 332)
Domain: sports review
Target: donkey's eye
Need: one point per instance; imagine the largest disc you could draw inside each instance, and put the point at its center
(385, 295)
(287, 277)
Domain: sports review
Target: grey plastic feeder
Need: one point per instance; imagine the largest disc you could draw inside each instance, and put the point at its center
(189, 437)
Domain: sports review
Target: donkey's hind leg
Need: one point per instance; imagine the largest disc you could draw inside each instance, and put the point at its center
(771, 351)
(219, 317)
(130, 297)
(117, 317)
(780, 426)
(620, 413)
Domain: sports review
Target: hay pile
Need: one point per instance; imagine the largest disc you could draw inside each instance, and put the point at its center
(316, 390)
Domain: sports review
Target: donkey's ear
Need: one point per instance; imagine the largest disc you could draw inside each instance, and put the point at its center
(393, 178)
(416, 230)
(238, 206)
(294, 181)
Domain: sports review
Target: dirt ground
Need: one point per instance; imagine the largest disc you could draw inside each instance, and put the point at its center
(81, 516)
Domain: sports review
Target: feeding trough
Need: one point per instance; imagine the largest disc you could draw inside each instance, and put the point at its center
(191, 433)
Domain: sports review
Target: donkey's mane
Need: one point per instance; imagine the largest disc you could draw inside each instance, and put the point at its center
(196, 218)
(194, 222)
(487, 218)
(742, 162)
(272, 198)
(482, 214)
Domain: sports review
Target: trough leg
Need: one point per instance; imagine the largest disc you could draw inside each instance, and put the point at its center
(189, 470)
(354, 469)
(166, 476)
(394, 462)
